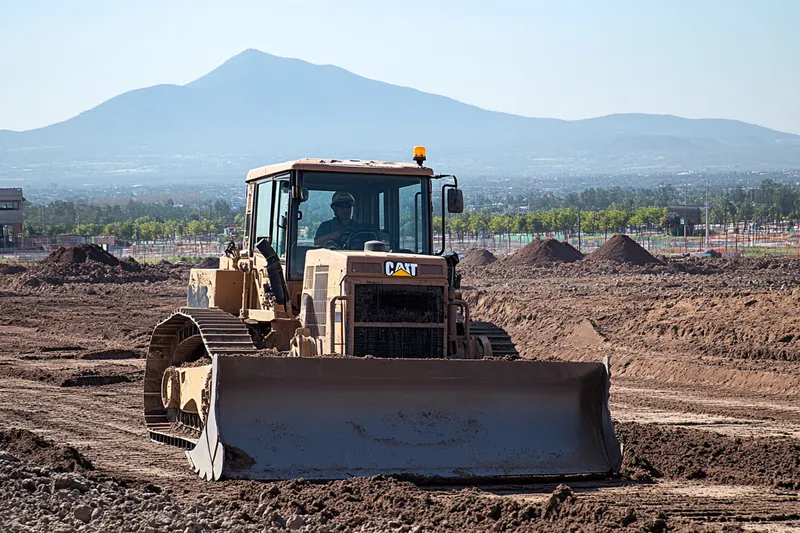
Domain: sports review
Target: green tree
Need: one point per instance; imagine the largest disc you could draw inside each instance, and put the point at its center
(520, 226)
(590, 222)
(195, 228)
(535, 223)
(499, 224)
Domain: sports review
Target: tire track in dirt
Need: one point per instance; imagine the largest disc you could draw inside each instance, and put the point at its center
(105, 424)
(695, 501)
(733, 416)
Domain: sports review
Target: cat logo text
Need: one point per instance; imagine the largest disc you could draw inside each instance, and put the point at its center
(399, 268)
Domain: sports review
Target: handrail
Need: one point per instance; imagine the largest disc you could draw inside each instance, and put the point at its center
(332, 322)
(465, 309)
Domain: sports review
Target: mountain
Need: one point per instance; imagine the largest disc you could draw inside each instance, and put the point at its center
(258, 108)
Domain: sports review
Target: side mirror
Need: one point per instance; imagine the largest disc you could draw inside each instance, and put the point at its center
(455, 201)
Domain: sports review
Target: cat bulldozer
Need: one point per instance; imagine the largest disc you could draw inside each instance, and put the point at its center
(331, 344)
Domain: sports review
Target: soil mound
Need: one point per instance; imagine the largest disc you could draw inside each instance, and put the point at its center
(370, 504)
(477, 257)
(208, 262)
(82, 253)
(542, 252)
(88, 263)
(623, 249)
(27, 445)
(653, 451)
(574, 251)
(12, 269)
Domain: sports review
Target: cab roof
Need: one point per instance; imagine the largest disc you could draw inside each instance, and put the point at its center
(350, 166)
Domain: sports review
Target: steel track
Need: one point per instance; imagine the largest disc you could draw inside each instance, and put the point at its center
(186, 335)
(500, 341)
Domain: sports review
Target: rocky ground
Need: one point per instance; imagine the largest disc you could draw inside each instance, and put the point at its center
(706, 399)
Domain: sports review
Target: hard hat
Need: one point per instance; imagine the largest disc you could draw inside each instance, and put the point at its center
(342, 198)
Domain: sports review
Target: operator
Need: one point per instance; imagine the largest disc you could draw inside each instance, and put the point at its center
(341, 223)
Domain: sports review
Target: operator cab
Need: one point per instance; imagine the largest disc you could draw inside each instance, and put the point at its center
(310, 204)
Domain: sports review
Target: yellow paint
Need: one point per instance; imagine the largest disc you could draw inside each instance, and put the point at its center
(192, 383)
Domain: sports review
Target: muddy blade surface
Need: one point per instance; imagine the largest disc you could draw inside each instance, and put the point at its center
(331, 418)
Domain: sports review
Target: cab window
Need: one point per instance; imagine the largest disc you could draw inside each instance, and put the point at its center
(386, 208)
(263, 211)
(272, 213)
(280, 218)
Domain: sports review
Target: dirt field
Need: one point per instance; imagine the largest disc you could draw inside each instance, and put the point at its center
(706, 399)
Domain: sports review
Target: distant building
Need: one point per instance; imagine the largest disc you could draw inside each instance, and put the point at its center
(108, 240)
(679, 215)
(10, 217)
(693, 214)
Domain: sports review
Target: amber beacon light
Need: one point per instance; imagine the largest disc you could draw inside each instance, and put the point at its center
(419, 154)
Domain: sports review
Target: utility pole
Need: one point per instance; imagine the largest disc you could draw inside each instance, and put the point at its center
(685, 216)
(708, 234)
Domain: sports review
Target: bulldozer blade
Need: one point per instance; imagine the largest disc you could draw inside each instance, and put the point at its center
(275, 418)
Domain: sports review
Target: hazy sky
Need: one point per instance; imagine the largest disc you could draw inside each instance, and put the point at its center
(561, 58)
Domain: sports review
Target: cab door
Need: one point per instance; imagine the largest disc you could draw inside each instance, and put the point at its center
(272, 214)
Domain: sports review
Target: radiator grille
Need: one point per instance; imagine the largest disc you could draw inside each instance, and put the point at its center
(406, 343)
(422, 304)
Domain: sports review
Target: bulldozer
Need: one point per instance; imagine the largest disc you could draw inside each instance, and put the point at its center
(327, 349)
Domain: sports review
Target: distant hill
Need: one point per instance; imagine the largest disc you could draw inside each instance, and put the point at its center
(258, 108)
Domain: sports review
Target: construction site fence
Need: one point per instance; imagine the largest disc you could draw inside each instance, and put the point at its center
(151, 251)
(786, 245)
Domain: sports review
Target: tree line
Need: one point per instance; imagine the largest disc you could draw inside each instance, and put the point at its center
(615, 210)
(564, 221)
(594, 210)
(768, 195)
(145, 221)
